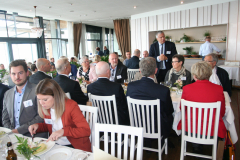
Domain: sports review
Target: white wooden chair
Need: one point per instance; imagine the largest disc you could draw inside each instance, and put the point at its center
(203, 110)
(121, 130)
(68, 95)
(107, 108)
(141, 113)
(131, 74)
(90, 113)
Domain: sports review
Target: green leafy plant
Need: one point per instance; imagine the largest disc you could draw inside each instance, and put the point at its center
(155, 40)
(3, 72)
(104, 58)
(194, 53)
(188, 49)
(167, 37)
(76, 64)
(207, 33)
(24, 149)
(224, 39)
(54, 73)
(185, 38)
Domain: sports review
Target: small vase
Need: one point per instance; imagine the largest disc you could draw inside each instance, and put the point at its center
(179, 91)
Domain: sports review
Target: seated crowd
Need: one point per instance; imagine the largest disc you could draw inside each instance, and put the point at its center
(38, 104)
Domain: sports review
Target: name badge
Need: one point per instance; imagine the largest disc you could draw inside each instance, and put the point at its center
(83, 73)
(168, 52)
(48, 121)
(28, 103)
(119, 77)
(183, 78)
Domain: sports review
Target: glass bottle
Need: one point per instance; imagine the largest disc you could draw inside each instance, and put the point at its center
(11, 155)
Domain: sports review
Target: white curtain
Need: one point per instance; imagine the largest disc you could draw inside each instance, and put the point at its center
(70, 48)
(110, 41)
(103, 37)
(83, 43)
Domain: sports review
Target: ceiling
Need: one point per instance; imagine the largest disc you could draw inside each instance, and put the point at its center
(93, 12)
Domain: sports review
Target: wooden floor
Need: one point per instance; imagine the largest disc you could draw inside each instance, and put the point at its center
(174, 151)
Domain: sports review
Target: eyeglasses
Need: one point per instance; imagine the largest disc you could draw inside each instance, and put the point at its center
(86, 62)
(175, 61)
(209, 61)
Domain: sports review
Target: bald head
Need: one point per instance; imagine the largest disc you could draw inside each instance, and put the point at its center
(103, 69)
(63, 66)
(145, 54)
(43, 65)
(136, 53)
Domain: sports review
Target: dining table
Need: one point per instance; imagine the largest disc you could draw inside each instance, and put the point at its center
(74, 154)
(233, 71)
(228, 117)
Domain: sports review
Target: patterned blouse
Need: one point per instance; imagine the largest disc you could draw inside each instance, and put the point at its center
(85, 75)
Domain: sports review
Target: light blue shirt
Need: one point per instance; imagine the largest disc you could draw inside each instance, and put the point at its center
(113, 73)
(160, 49)
(207, 48)
(17, 105)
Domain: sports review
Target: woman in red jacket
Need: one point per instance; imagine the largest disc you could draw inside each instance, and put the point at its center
(63, 118)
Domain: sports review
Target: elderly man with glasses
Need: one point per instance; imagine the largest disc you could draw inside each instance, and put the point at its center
(178, 72)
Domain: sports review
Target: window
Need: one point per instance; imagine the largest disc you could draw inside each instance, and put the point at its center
(4, 54)
(94, 39)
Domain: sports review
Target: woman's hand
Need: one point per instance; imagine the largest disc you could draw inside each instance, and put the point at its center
(33, 128)
(55, 135)
(87, 81)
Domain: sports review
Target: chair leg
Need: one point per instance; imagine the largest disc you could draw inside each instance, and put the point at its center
(182, 149)
(185, 146)
(214, 152)
(166, 147)
(159, 149)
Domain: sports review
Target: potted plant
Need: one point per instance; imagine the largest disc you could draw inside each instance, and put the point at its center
(185, 38)
(167, 38)
(188, 51)
(194, 54)
(155, 40)
(206, 34)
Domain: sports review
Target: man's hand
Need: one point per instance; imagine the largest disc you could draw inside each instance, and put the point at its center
(162, 57)
(15, 131)
(55, 135)
(33, 128)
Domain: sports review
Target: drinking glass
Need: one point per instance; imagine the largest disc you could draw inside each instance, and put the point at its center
(126, 82)
(3, 145)
(168, 84)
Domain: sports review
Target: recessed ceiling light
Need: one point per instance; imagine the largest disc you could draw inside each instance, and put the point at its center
(181, 2)
(85, 15)
(71, 11)
(50, 7)
(59, 16)
(135, 7)
(71, 4)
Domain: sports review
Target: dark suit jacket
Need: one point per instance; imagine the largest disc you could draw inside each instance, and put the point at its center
(3, 89)
(106, 52)
(122, 71)
(100, 53)
(133, 63)
(224, 79)
(37, 77)
(73, 87)
(73, 70)
(169, 46)
(146, 89)
(104, 87)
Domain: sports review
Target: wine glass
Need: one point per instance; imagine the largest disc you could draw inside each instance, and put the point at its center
(126, 82)
(169, 84)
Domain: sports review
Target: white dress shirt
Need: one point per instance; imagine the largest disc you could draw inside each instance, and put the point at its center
(113, 73)
(214, 78)
(160, 49)
(207, 48)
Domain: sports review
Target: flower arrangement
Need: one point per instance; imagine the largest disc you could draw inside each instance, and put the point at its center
(3, 72)
(54, 73)
(105, 58)
(178, 83)
(80, 79)
(76, 64)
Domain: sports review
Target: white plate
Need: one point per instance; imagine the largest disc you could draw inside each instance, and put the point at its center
(49, 145)
(59, 154)
(5, 129)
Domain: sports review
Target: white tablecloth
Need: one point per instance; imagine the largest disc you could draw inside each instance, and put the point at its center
(74, 151)
(228, 117)
(233, 71)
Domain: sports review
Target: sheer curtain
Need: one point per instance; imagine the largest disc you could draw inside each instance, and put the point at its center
(103, 39)
(70, 48)
(83, 43)
(110, 41)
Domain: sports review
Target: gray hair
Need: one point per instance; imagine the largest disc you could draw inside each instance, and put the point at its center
(159, 32)
(214, 56)
(61, 64)
(201, 70)
(136, 52)
(83, 59)
(147, 66)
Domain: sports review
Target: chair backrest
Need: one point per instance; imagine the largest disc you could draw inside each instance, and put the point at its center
(107, 108)
(205, 113)
(90, 113)
(68, 95)
(121, 130)
(146, 114)
(131, 74)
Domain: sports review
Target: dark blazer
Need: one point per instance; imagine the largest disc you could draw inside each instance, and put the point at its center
(169, 46)
(104, 87)
(224, 79)
(133, 63)
(3, 89)
(100, 53)
(37, 77)
(73, 70)
(73, 87)
(106, 52)
(122, 71)
(146, 89)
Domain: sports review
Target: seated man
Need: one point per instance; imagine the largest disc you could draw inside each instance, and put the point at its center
(219, 75)
(20, 103)
(118, 70)
(128, 56)
(3, 89)
(178, 71)
(68, 85)
(43, 66)
(133, 63)
(104, 87)
(146, 89)
(145, 54)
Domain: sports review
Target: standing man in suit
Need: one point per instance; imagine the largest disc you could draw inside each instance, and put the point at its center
(146, 89)
(133, 63)
(20, 102)
(118, 70)
(99, 52)
(68, 85)
(162, 51)
(43, 66)
(3, 89)
(104, 87)
(106, 51)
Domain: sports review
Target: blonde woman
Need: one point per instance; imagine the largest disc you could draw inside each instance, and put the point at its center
(92, 74)
(63, 118)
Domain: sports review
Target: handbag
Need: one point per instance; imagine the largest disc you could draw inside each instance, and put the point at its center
(229, 148)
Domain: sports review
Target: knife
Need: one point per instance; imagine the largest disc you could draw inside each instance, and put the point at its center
(33, 137)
